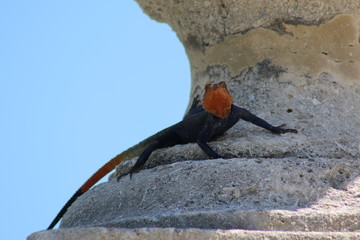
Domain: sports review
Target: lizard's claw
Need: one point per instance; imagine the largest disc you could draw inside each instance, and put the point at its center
(281, 130)
(287, 130)
(118, 178)
(290, 131)
(133, 170)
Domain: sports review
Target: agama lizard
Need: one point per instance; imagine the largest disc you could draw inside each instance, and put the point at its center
(216, 115)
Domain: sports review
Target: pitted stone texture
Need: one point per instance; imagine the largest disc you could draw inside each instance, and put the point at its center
(304, 54)
(183, 234)
(202, 23)
(265, 194)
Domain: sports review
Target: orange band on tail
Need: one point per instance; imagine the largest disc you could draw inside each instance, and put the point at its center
(99, 174)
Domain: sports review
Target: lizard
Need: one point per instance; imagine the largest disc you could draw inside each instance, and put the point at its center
(207, 122)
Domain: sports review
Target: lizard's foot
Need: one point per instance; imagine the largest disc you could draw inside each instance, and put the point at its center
(290, 130)
(286, 130)
(281, 130)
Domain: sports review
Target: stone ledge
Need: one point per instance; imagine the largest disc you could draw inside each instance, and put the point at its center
(262, 194)
(179, 234)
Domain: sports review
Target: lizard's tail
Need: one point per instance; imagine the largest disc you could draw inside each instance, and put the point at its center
(105, 169)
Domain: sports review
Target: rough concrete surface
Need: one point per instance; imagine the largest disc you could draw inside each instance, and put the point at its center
(203, 23)
(265, 194)
(183, 234)
(305, 53)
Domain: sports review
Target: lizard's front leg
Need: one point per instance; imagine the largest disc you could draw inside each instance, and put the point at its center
(248, 116)
(205, 135)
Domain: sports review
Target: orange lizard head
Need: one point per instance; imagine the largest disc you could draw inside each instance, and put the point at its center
(217, 100)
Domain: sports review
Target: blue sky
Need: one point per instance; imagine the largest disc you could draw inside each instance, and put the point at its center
(80, 81)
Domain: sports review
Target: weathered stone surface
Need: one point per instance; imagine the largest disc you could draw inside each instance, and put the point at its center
(312, 194)
(304, 53)
(202, 23)
(182, 234)
(305, 37)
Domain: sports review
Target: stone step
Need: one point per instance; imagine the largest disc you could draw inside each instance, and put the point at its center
(182, 234)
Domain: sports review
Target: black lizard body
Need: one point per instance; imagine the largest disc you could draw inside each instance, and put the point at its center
(206, 123)
(201, 128)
